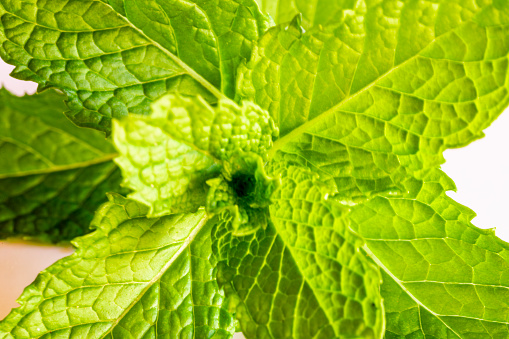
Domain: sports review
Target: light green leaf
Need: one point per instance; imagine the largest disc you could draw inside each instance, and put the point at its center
(370, 103)
(167, 157)
(164, 172)
(133, 277)
(36, 138)
(379, 96)
(114, 59)
(367, 95)
(305, 276)
(53, 175)
(314, 12)
(443, 277)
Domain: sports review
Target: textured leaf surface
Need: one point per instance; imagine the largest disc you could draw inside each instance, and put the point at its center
(245, 195)
(36, 137)
(365, 103)
(53, 175)
(367, 95)
(314, 12)
(114, 59)
(443, 277)
(305, 275)
(133, 277)
(167, 158)
(165, 173)
(55, 207)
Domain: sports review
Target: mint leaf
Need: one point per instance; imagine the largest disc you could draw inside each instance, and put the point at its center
(55, 207)
(443, 277)
(368, 105)
(132, 277)
(305, 276)
(312, 206)
(36, 137)
(167, 158)
(53, 175)
(314, 12)
(165, 173)
(114, 59)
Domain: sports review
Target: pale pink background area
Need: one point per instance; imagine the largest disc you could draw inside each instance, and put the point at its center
(479, 170)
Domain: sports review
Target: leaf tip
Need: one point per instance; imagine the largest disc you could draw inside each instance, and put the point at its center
(296, 25)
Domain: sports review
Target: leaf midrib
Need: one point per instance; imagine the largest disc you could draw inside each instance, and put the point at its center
(407, 292)
(160, 125)
(310, 123)
(61, 168)
(305, 279)
(185, 244)
(278, 144)
(211, 88)
(194, 147)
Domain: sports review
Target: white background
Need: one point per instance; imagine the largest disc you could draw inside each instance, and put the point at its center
(481, 173)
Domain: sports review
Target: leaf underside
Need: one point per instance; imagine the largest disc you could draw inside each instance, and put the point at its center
(53, 175)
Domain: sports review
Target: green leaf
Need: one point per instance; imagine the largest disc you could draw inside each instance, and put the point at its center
(443, 277)
(36, 137)
(167, 157)
(370, 103)
(166, 174)
(341, 228)
(314, 12)
(377, 97)
(305, 276)
(53, 175)
(114, 59)
(133, 277)
(55, 207)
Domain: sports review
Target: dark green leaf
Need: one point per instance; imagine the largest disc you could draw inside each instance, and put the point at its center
(53, 175)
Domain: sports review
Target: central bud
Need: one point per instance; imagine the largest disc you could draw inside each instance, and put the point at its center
(244, 185)
(244, 191)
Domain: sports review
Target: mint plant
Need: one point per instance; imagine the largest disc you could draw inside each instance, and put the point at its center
(269, 168)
